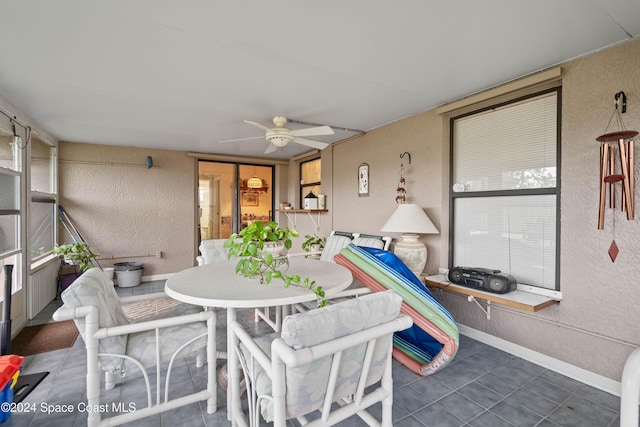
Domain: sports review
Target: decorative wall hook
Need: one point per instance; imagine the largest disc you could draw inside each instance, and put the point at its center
(623, 107)
(401, 193)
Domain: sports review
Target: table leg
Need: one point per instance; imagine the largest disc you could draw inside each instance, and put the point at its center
(233, 373)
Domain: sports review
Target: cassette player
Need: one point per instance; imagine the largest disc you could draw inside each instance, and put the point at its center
(485, 279)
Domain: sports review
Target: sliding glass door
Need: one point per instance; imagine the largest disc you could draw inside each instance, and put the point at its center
(230, 195)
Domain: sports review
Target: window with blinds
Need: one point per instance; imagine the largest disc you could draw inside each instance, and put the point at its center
(505, 189)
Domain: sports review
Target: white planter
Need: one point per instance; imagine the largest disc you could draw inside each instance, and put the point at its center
(274, 248)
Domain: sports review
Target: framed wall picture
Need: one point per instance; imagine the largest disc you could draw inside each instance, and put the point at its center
(250, 198)
(363, 180)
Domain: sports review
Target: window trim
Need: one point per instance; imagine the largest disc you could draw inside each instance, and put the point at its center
(36, 196)
(310, 184)
(557, 190)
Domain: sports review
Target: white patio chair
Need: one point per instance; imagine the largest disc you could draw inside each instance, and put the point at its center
(211, 251)
(119, 346)
(337, 241)
(347, 360)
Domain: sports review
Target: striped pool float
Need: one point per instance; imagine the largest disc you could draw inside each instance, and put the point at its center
(432, 342)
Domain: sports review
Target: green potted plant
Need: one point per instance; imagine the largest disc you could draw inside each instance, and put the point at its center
(252, 245)
(313, 243)
(79, 254)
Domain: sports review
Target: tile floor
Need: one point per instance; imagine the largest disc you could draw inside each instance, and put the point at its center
(482, 387)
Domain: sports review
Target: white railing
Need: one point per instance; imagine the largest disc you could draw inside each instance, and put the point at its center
(43, 286)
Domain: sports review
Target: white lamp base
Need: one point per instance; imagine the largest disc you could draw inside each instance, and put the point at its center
(412, 252)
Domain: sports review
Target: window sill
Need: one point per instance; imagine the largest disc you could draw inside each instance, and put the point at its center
(517, 299)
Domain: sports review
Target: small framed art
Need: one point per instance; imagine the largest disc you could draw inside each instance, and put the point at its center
(363, 180)
(250, 198)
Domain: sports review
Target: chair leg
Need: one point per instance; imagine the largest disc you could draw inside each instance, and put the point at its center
(387, 403)
(109, 383)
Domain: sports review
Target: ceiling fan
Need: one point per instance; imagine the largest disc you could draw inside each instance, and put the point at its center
(280, 135)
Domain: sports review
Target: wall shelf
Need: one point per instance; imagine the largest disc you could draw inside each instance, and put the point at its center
(309, 212)
(517, 299)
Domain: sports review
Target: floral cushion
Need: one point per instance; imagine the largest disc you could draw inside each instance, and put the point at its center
(306, 384)
(213, 251)
(93, 288)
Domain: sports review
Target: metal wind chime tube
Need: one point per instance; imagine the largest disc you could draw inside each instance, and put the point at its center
(609, 177)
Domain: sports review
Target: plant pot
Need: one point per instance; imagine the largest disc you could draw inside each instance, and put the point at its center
(274, 248)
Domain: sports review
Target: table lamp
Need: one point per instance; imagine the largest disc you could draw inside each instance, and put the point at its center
(411, 221)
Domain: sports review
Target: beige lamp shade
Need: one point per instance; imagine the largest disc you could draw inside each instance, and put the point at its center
(409, 218)
(411, 221)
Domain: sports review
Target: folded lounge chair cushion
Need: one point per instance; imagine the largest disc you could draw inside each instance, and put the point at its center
(432, 342)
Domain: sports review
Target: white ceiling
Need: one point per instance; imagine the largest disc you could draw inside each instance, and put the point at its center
(183, 75)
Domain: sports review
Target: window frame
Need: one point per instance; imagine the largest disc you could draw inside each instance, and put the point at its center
(306, 185)
(44, 197)
(453, 195)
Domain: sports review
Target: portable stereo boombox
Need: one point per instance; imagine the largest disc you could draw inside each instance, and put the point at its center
(485, 279)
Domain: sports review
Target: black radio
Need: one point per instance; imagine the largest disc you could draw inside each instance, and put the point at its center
(485, 279)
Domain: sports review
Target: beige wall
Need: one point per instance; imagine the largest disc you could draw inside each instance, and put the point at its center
(595, 326)
(130, 212)
(381, 149)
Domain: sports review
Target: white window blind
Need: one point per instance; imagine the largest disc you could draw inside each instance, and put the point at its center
(504, 203)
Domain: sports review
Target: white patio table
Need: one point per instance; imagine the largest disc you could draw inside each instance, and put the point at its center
(218, 285)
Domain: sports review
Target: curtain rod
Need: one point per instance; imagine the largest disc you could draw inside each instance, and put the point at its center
(333, 127)
(13, 119)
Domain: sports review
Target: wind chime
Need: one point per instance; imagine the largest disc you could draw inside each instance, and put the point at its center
(610, 176)
(401, 193)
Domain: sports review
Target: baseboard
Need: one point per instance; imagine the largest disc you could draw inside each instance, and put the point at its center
(155, 277)
(571, 371)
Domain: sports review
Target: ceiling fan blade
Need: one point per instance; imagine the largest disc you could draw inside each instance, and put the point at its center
(270, 149)
(320, 130)
(258, 125)
(241, 139)
(311, 143)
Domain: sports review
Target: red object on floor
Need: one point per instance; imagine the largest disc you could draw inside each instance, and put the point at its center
(10, 366)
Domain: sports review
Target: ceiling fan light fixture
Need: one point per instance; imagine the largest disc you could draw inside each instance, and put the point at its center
(279, 137)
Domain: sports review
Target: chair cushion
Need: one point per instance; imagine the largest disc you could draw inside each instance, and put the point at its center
(142, 345)
(306, 384)
(370, 242)
(93, 289)
(333, 245)
(337, 320)
(213, 251)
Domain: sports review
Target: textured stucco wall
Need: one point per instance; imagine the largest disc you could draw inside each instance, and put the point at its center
(420, 136)
(595, 326)
(128, 211)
